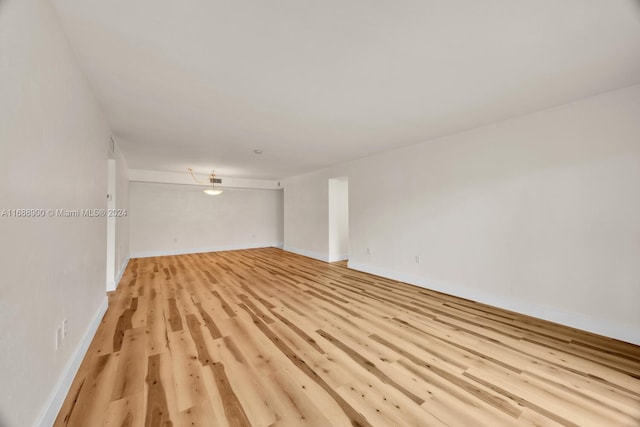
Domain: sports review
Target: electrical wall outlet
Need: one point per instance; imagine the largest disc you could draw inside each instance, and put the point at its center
(368, 251)
(418, 259)
(61, 333)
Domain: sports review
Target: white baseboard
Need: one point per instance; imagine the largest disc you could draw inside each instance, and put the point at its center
(341, 257)
(111, 286)
(59, 393)
(122, 269)
(623, 332)
(168, 252)
(304, 252)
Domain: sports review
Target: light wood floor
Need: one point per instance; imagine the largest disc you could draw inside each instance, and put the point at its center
(267, 338)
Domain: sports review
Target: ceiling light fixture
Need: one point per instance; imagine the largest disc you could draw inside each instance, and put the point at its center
(257, 151)
(212, 191)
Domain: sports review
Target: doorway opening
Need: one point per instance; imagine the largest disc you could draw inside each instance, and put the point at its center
(111, 225)
(338, 219)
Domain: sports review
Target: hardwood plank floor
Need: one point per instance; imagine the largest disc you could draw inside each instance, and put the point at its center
(264, 337)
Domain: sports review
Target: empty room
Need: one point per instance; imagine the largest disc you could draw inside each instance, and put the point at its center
(324, 213)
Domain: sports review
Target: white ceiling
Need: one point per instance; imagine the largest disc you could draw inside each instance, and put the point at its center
(201, 83)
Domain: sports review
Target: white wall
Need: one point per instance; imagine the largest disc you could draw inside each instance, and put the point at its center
(338, 219)
(538, 214)
(306, 215)
(53, 152)
(172, 219)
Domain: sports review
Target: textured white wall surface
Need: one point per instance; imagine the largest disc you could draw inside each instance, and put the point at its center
(171, 219)
(538, 214)
(53, 154)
